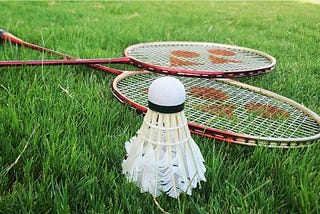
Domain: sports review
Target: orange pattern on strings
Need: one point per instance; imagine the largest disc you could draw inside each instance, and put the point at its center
(221, 110)
(180, 57)
(221, 52)
(186, 54)
(178, 62)
(208, 93)
(267, 111)
(219, 60)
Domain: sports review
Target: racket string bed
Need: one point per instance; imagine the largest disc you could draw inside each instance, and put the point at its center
(194, 102)
(242, 116)
(292, 123)
(259, 120)
(201, 58)
(236, 97)
(268, 127)
(297, 129)
(140, 85)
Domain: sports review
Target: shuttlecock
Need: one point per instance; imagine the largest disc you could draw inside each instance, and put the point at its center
(163, 157)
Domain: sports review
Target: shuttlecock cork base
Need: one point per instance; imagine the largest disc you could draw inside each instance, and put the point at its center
(163, 157)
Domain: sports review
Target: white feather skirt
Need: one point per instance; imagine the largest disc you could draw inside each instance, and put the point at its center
(163, 157)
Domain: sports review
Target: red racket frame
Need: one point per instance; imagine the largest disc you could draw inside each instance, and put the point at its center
(228, 136)
(130, 60)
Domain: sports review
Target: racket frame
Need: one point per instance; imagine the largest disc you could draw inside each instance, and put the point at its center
(228, 136)
(201, 73)
(127, 59)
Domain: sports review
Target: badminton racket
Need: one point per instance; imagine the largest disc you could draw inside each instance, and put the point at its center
(227, 110)
(231, 111)
(176, 58)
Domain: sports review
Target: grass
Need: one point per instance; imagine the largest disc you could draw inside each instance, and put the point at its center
(70, 131)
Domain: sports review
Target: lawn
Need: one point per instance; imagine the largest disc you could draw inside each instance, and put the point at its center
(67, 131)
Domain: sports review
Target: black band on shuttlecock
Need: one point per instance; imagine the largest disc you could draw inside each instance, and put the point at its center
(165, 109)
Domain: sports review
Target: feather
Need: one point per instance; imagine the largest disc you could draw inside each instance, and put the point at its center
(163, 157)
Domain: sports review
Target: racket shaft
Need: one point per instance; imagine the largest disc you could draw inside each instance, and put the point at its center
(121, 60)
(5, 36)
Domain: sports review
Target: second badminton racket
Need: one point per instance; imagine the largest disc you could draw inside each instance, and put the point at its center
(177, 58)
(231, 111)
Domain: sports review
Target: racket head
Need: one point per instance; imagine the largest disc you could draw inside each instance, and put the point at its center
(230, 111)
(200, 59)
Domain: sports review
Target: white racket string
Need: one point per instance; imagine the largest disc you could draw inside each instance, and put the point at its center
(199, 59)
(238, 110)
(195, 56)
(263, 126)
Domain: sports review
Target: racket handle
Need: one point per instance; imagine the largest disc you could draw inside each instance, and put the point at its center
(5, 36)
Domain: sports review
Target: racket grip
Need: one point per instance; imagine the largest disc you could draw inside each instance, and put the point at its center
(5, 36)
